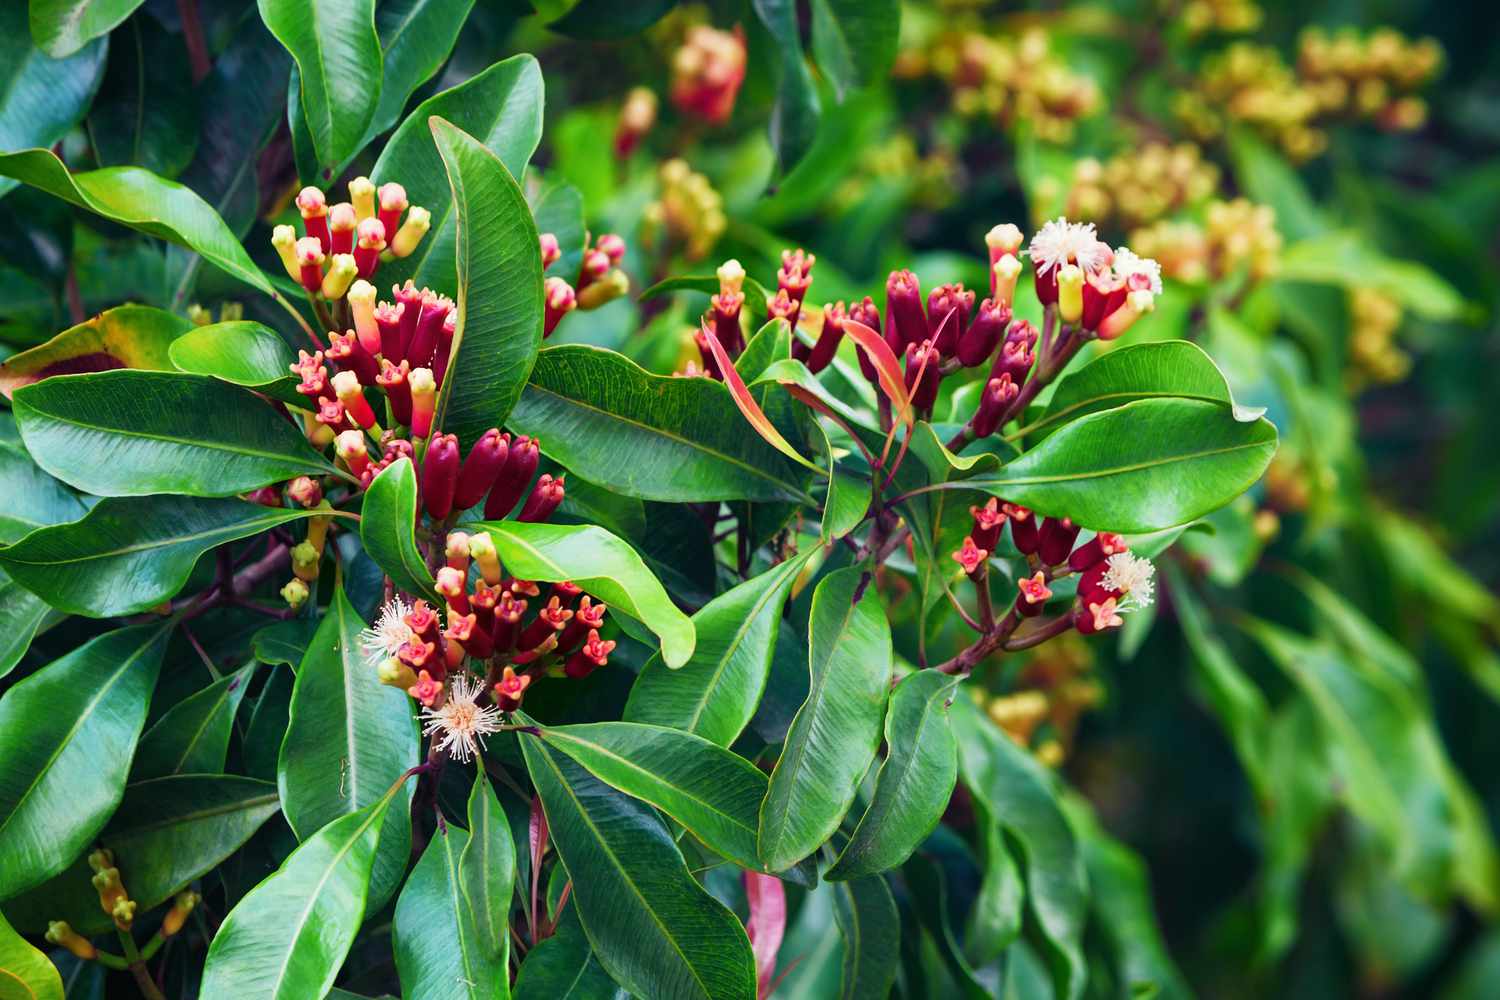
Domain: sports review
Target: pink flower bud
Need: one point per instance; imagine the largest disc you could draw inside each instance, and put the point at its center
(1033, 595)
(783, 306)
(313, 208)
(305, 491)
(345, 350)
(1096, 550)
(361, 299)
(559, 299)
(351, 449)
(392, 204)
(823, 351)
(423, 401)
(795, 275)
(394, 379)
(409, 297)
(977, 343)
(594, 654)
(330, 412)
(551, 252)
(481, 466)
(309, 368)
(971, 557)
(369, 245)
(426, 690)
(612, 244)
(440, 475)
(352, 395)
(510, 689)
(341, 224)
(545, 498)
(1094, 617)
(513, 480)
(310, 258)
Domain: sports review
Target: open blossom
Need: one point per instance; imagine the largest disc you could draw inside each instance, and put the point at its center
(1145, 271)
(389, 633)
(1061, 242)
(461, 721)
(1129, 574)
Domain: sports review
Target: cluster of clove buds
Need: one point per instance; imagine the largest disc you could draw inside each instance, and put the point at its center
(348, 240)
(599, 279)
(1111, 579)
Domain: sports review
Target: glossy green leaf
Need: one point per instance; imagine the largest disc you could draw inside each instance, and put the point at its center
(129, 554)
(348, 737)
(502, 108)
(287, 938)
(193, 736)
(141, 200)
(714, 793)
(834, 736)
(715, 693)
(649, 436)
(146, 114)
(122, 433)
(267, 724)
(607, 20)
(438, 948)
(285, 642)
(794, 120)
(914, 782)
(499, 273)
(1349, 260)
(25, 973)
(1144, 466)
(67, 733)
(603, 565)
(166, 833)
(242, 352)
(652, 926)
(123, 337)
(416, 37)
(339, 61)
(62, 27)
(563, 967)
(41, 97)
(1017, 791)
(854, 41)
(386, 527)
(487, 869)
(21, 616)
(33, 498)
(871, 927)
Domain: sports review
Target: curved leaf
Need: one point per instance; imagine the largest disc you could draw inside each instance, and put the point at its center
(794, 120)
(606, 20)
(287, 938)
(146, 114)
(867, 917)
(338, 59)
(600, 563)
(746, 404)
(649, 436)
(438, 948)
(67, 734)
(914, 783)
(652, 926)
(41, 96)
(416, 37)
(193, 736)
(347, 738)
(129, 554)
(166, 833)
(123, 337)
(33, 498)
(143, 201)
(563, 967)
(25, 973)
(499, 273)
(386, 527)
(62, 27)
(834, 735)
(502, 108)
(242, 352)
(854, 41)
(122, 433)
(715, 693)
(709, 790)
(487, 869)
(1144, 466)
(21, 616)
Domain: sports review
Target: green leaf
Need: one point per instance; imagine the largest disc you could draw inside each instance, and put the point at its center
(1348, 260)
(348, 737)
(499, 296)
(142, 201)
(649, 436)
(123, 337)
(1144, 466)
(1168, 368)
(756, 295)
(62, 27)
(871, 927)
(21, 616)
(285, 642)
(240, 352)
(146, 114)
(715, 693)
(914, 783)
(608, 20)
(1266, 177)
(25, 973)
(129, 554)
(563, 967)
(794, 120)
(338, 59)
(487, 869)
(652, 926)
(834, 736)
(135, 433)
(193, 736)
(416, 37)
(709, 790)
(41, 97)
(167, 833)
(287, 938)
(438, 949)
(502, 107)
(854, 41)
(67, 734)
(603, 565)
(33, 498)
(267, 725)
(386, 527)
(1017, 791)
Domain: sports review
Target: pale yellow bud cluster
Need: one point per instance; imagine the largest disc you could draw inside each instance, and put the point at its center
(1235, 236)
(1374, 355)
(1252, 84)
(1009, 80)
(1140, 186)
(688, 213)
(1227, 17)
(1371, 77)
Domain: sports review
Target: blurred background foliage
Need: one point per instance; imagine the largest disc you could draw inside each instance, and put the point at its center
(1299, 743)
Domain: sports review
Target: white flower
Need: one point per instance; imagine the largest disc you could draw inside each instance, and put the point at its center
(390, 631)
(1129, 574)
(463, 723)
(1128, 264)
(1062, 242)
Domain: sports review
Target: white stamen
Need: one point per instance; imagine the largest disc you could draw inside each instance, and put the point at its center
(463, 724)
(1130, 575)
(1062, 242)
(390, 631)
(1128, 264)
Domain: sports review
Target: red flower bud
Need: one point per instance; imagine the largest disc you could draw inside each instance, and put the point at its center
(988, 520)
(865, 312)
(510, 689)
(424, 338)
(1057, 537)
(941, 301)
(409, 298)
(903, 306)
(559, 299)
(368, 245)
(305, 491)
(341, 226)
(996, 398)
(726, 312)
(345, 350)
(392, 203)
(545, 498)
(483, 463)
(551, 252)
(553, 617)
(1015, 359)
(392, 379)
(444, 351)
(594, 654)
(508, 613)
(454, 588)
(511, 484)
(422, 620)
(1033, 595)
(1097, 616)
(613, 245)
(440, 475)
(588, 617)
(971, 557)
(310, 257)
(1023, 528)
(309, 368)
(783, 306)
(827, 346)
(978, 342)
(330, 412)
(795, 275)
(1096, 550)
(922, 376)
(313, 208)
(388, 319)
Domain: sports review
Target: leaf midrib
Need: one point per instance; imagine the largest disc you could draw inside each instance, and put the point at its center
(1102, 473)
(265, 521)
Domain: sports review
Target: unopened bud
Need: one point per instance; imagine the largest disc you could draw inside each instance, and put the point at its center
(284, 239)
(340, 274)
(313, 208)
(1070, 293)
(545, 498)
(352, 395)
(418, 221)
(392, 204)
(514, 479)
(368, 247)
(393, 673)
(341, 223)
(481, 466)
(559, 299)
(510, 689)
(305, 491)
(352, 450)
(361, 299)
(182, 905)
(423, 400)
(1003, 275)
(551, 252)
(1136, 305)
(482, 551)
(440, 475)
(62, 935)
(1033, 595)
(305, 559)
(608, 288)
(362, 197)
(310, 258)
